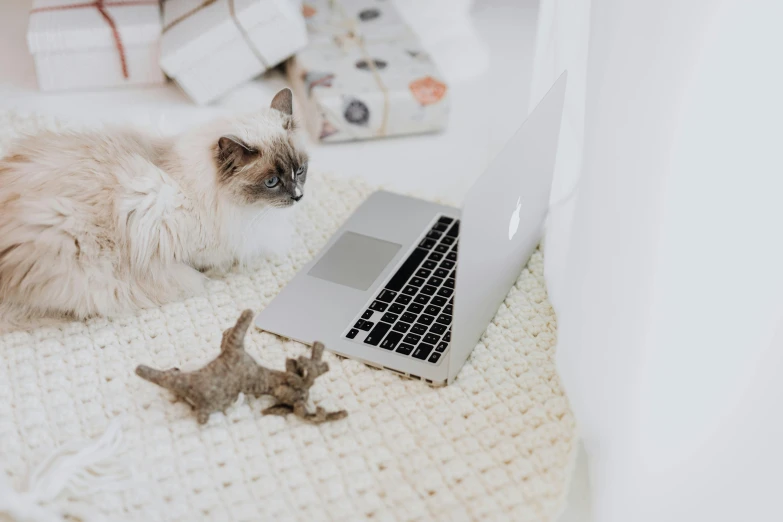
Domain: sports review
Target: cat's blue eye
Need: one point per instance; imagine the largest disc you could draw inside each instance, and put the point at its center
(271, 182)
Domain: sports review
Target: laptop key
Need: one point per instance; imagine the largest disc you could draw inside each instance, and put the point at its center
(440, 227)
(396, 308)
(427, 243)
(408, 317)
(352, 333)
(425, 319)
(440, 272)
(422, 299)
(390, 343)
(428, 290)
(441, 346)
(367, 326)
(448, 240)
(410, 290)
(438, 329)
(419, 329)
(429, 265)
(412, 339)
(451, 256)
(434, 357)
(405, 349)
(389, 318)
(431, 338)
(449, 310)
(402, 299)
(449, 283)
(439, 301)
(435, 281)
(422, 351)
(433, 310)
(444, 319)
(423, 273)
(359, 324)
(445, 292)
(416, 281)
(378, 306)
(406, 270)
(445, 220)
(436, 256)
(448, 265)
(367, 314)
(442, 249)
(401, 327)
(415, 308)
(447, 337)
(377, 334)
(387, 296)
(454, 230)
(433, 234)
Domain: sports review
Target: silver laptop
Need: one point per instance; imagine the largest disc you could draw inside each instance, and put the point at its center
(410, 286)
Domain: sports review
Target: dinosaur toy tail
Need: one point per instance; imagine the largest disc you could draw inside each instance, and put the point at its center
(151, 374)
(234, 337)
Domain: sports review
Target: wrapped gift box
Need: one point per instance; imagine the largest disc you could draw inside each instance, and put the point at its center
(210, 47)
(364, 74)
(84, 44)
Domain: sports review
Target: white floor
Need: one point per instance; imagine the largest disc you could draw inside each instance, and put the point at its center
(485, 112)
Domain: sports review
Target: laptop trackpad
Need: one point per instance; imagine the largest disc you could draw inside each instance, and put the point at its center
(355, 260)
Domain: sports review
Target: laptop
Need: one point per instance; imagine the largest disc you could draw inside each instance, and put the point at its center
(408, 285)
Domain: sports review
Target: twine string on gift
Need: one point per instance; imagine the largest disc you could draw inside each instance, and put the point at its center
(101, 6)
(232, 12)
(244, 34)
(353, 36)
(187, 14)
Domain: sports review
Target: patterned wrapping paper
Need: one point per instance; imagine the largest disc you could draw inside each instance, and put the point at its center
(364, 74)
(211, 46)
(82, 44)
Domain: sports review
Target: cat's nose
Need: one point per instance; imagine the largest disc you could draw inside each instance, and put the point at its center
(297, 198)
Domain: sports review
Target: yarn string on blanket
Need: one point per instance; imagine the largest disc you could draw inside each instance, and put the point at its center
(77, 469)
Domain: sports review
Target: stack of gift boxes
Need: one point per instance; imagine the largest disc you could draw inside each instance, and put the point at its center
(362, 75)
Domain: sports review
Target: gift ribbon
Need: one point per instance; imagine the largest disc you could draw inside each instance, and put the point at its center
(232, 12)
(101, 6)
(352, 36)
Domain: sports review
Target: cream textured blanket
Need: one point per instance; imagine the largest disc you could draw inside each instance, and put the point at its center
(496, 445)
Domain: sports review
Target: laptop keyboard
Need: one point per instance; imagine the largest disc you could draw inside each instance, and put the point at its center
(411, 315)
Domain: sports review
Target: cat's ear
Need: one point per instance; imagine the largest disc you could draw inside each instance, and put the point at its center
(284, 101)
(231, 153)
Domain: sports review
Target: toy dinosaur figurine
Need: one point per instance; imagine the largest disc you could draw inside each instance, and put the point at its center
(217, 385)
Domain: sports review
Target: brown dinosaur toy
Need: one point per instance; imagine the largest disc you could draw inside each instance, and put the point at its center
(217, 385)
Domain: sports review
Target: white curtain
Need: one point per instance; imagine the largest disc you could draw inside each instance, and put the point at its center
(664, 251)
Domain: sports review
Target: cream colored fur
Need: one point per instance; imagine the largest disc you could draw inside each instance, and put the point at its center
(104, 222)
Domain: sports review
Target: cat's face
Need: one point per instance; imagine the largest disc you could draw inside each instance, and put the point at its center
(267, 168)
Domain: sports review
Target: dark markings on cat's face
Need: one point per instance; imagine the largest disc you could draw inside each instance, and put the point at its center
(274, 174)
(271, 173)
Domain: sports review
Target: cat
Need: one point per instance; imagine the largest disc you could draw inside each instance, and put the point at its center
(107, 222)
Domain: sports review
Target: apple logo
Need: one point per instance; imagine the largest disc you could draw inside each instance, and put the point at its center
(513, 224)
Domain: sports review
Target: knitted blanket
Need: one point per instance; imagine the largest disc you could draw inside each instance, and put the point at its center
(496, 445)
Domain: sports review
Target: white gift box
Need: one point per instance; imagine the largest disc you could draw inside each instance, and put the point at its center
(88, 44)
(364, 74)
(210, 47)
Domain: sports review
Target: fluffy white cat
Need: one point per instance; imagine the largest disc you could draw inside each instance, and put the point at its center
(104, 222)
